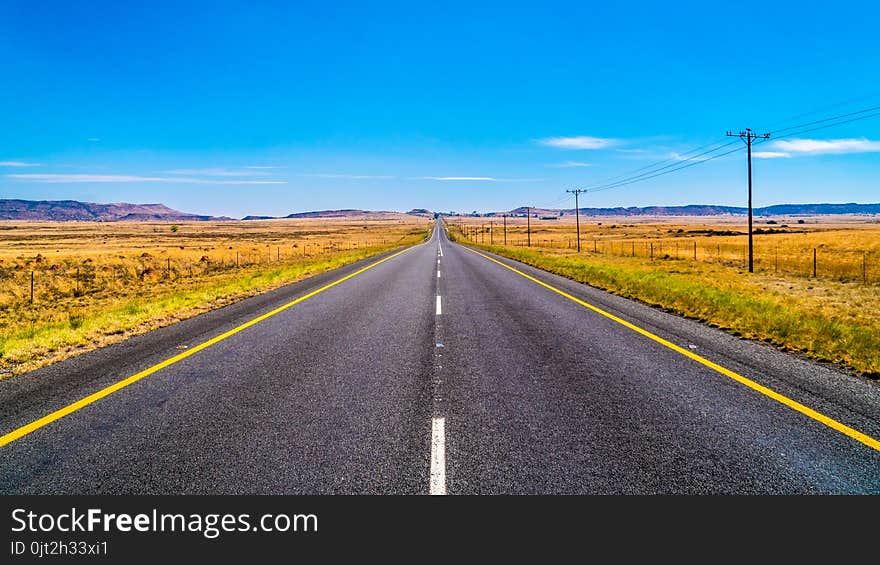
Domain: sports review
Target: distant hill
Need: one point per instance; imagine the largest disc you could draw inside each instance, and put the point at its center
(71, 210)
(710, 210)
(346, 213)
(420, 212)
(817, 209)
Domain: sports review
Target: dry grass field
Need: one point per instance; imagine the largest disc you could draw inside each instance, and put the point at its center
(846, 249)
(95, 283)
(697, 267)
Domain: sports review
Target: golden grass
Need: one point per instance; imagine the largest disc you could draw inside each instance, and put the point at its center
(847, 249)
(834, 317)
(96, 284)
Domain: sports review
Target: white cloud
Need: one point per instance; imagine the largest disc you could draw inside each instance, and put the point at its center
(570, 164)
(827, 146)
(578, 142)
(19, 164)
(76, 178)
(771, 155)
(345, 176)
(460, 178)
(214, 172)
(93, 139)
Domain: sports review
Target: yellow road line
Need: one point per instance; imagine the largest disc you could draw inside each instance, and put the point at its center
(94, 397)
(793, 404)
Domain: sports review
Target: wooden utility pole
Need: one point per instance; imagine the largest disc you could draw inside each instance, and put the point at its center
(577, 221)
(528, 226)
(748, 136)
(505, 230)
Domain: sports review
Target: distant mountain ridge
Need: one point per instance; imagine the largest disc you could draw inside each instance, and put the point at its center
(711, 210)
(344, 213)
(72, 210)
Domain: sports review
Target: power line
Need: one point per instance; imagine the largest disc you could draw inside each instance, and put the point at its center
(828, 125)
(769, 127)
(661, 162)
(873, 109)
(660, 174)
(654, 170)
(651, 173)
(690, 162)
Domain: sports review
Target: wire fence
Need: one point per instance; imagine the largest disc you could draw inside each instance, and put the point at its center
(805, 260)
(43, 281)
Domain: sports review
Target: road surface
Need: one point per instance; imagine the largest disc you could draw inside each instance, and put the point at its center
(438, 370)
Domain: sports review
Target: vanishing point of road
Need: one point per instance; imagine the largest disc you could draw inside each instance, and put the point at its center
(443, 370)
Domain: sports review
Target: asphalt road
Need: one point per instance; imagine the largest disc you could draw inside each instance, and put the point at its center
(377, 386)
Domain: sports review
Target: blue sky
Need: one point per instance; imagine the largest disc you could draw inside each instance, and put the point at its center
(250, 107)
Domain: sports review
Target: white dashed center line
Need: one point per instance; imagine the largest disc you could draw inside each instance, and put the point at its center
(438, 423)
(438, 456)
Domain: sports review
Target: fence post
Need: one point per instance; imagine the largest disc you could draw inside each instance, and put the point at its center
(652, 251)
(695, 250)
(776, 261)
(814, 262)
(32, 287)
(864, 267)
(634, 248)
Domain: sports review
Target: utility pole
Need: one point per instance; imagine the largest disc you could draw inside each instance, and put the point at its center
(528, 226)
(491, 233)
(577, 221)
(748, 136)
(505, 230)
